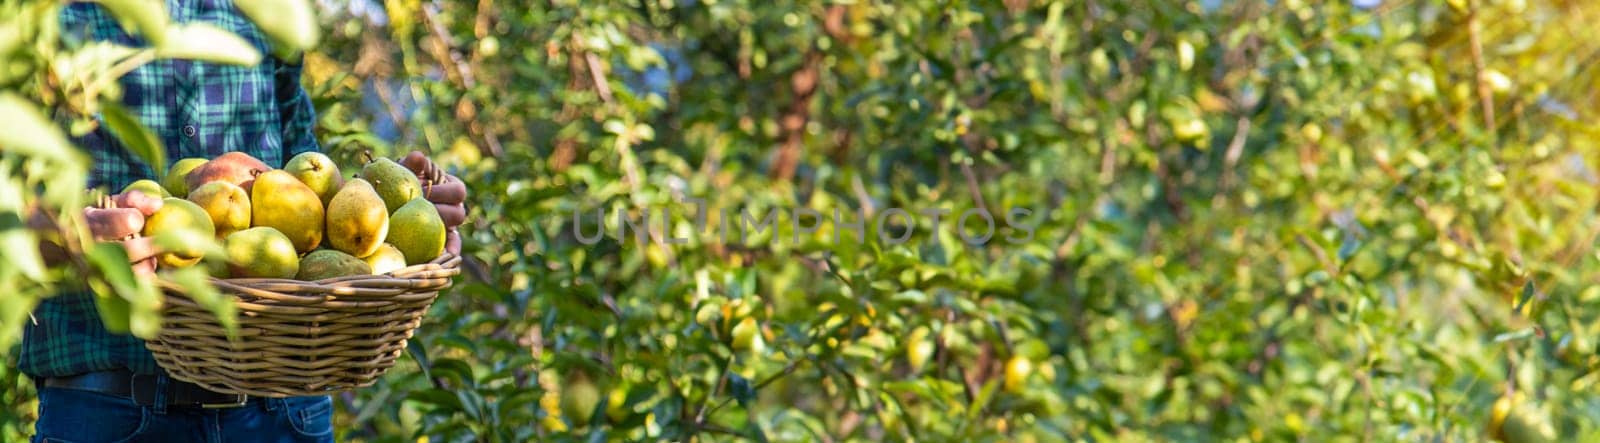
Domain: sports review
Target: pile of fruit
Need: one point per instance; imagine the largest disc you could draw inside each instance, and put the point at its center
(305, 221)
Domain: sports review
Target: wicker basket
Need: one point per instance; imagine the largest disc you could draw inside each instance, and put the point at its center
(299, 338)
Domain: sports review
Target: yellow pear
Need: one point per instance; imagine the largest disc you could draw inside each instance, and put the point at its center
(148, 187)
(227, 205)
(358, 221)
(396, 184)
(386, 260)
(327, 263)
(318, 172)
(261, 252)
(179, 214)
(281, 202)
(176, 181)
(416, 230)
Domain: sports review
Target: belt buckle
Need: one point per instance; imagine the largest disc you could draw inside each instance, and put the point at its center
(239, 400)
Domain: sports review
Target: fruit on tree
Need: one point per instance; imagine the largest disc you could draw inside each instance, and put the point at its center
(1497, 417)
(261, 252)
(747, 336)
(226, 204)
(175, 215)
(1018, 368)
(919, 348)
(281, 202)
(358, 221)
(578, 399)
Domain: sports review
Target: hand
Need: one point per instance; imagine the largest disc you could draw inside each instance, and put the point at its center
(448, 194)
(119, 223)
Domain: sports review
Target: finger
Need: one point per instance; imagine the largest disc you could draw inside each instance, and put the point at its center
(146, 204)
(141, 249)
(452, 191)
(417, 162)
(452, 215)
(39, 220)
(145, 267)
(452, 242)
(113, 223)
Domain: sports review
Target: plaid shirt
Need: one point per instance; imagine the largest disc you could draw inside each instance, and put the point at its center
(198, 110)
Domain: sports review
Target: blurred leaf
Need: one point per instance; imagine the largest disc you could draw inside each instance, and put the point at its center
(136, 137)
(207, 42)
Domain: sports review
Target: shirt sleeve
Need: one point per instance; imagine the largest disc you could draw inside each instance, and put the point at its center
(295, 110)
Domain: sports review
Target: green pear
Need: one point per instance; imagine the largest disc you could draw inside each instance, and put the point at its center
(386, 259)
(148, 187)
(358, 220)
(416, 230)
(179, 214)
(318, 172)
(176, 181)
(261, 252)
(279, 201)
(327, 263)
(227, 205)
(396, 184)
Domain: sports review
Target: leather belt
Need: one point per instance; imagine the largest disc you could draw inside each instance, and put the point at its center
(142, 389)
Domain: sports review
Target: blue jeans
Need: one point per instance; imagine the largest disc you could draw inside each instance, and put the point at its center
(68, 415)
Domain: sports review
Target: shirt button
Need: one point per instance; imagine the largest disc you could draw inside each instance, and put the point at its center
(188, 130)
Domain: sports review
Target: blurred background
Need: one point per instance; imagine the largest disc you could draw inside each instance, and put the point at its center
(1256, 221)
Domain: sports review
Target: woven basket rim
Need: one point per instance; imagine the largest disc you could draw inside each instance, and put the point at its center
(433, 275)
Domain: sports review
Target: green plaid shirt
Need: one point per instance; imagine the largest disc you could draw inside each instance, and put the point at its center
(198, 110)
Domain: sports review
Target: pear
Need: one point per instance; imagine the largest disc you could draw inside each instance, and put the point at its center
(280, 202)
(396, 184)
(358, 221)
(179, 214)
(318, 172)
(226, 203)
(416, 230)
(328, 263)
(386, 260)
(148, 187)
(175, 182)
(234, 167)
(261, 252)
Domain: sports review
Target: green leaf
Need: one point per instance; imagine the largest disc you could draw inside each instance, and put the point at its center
(28, 132)
(455, 369)
(123, 296)
(147, 17)
(440, 398)
(19, 244)
(189, 240)
(741, 389)
(137, 138)
(290, 24)
(420, 354)
(197, 284)
(1527, 295)
(207, 42)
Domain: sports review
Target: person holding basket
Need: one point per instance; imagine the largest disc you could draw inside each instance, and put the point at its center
(98, 386)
